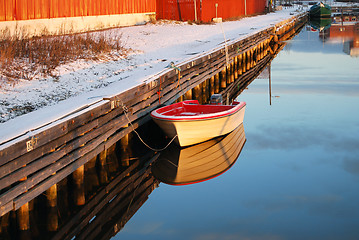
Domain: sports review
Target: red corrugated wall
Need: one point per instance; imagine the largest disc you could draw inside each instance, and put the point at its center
(206, 9)
(36, 9)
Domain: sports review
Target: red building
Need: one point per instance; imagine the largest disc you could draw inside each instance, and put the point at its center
(184, 10)
(206, 10)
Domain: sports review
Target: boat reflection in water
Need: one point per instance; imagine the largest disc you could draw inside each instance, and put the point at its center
(199, 162)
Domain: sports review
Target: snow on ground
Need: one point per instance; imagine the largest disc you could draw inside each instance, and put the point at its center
(84, 83)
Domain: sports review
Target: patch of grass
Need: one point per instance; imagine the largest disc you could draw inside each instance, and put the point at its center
(26, 58)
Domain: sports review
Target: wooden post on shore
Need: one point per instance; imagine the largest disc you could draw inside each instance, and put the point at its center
(216, 83)
(211, 86)
(51, 195)
(204, 91)
(240, 64)
(244, 62)
(228, 74)
(231, 73)
(235, 69)
(188, 95)
(197, 91)
(223, 79)
(79, 191)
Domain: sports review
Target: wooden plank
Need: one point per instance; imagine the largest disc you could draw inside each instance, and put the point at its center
(63, 168)
(7, 207)
(19, 148)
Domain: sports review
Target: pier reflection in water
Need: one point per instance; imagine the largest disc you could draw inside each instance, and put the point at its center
(99, 198)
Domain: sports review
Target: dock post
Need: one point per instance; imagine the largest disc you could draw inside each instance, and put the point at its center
(79, 191)
(231, 73)
(244, 64)
(197, 93)
(240, 64)
(228, 74)
(188, 95)
(223, 79)
(216, 83)
(211, 86)
(51, 195)
(235, 69)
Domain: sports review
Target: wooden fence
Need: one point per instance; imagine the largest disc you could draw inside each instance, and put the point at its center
(29, 166)
(36, 9)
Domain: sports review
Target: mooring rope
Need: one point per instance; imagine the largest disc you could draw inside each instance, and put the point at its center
(225, 44)
(125, 110)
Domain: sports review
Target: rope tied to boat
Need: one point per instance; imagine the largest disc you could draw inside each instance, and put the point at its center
(173, 66)
(125, 111)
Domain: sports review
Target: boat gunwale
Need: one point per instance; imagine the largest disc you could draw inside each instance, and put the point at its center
(203, 117)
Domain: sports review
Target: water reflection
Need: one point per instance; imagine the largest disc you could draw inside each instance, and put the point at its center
(200, 162)
(334, 31)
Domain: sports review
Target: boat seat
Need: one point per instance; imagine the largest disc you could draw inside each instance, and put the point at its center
(188, 114)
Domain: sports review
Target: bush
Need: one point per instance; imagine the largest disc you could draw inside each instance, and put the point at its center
(25, 58)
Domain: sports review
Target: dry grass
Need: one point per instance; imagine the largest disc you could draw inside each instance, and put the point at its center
(25, 58)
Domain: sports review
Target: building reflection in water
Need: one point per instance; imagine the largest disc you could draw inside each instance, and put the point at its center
(344, 30)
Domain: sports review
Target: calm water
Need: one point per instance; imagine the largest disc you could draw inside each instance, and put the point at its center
(297, 176)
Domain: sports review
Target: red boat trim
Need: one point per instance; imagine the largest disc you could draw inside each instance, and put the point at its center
(208, 116)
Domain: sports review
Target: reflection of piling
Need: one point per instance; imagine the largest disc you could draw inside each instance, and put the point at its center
(52, 220)
(23, 217)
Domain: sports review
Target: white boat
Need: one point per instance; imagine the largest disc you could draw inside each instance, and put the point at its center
(194, 123)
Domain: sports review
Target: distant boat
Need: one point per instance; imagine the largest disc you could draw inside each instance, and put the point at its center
(320, 24)
(201, 162)
(320, 10)
(194, 123)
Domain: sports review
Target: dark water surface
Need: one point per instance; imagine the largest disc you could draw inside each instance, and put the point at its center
(297, 176)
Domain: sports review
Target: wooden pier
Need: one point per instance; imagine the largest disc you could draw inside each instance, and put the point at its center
(33, 163)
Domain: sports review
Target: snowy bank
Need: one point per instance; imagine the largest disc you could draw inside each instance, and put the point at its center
(85, 84)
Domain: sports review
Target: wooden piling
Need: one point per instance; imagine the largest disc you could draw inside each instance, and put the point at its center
(79, 191)
(211, 86)
(188, 95)
(244, 62)
(197, 92)
(204, 95)
(216, 83)
(223, 79)
(235, 68)
(51, 195)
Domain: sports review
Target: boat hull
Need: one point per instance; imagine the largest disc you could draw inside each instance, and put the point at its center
(320, 11)
(191, 132)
